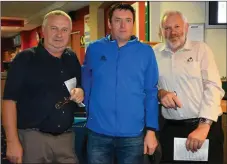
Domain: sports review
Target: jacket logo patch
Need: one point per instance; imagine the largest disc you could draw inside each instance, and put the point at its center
(103, 58)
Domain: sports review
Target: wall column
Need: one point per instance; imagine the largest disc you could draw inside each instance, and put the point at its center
(97, 26)
(154, 21)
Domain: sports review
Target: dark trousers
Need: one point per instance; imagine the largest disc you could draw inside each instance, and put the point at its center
(102, 149)
(171, 130)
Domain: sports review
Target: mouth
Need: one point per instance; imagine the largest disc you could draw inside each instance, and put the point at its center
(173, 39)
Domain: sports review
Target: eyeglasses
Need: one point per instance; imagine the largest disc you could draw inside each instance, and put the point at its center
(60, 104)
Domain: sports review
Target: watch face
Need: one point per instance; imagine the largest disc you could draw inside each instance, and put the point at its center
(203, 120)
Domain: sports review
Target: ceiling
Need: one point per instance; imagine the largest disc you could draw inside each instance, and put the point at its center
(32, 13)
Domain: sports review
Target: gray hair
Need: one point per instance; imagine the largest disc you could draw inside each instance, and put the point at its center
(169, 13)
(58, 13)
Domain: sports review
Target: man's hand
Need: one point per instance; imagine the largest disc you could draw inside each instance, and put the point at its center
(197, 137)
(169, 99)
(77, 95)
(14, 152)
(150, 143)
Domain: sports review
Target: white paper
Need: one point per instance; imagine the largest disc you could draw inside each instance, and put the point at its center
(70, 84)
(196, 32)
(181, 153)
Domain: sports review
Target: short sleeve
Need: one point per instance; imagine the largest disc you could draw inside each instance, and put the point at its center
(16, 76)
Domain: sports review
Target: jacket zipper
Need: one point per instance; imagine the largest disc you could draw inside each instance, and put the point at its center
(116, 90)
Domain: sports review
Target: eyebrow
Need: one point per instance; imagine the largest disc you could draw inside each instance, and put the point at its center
(59, 27)
(123, 18)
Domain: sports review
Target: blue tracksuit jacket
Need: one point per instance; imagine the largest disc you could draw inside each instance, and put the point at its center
(120, 87)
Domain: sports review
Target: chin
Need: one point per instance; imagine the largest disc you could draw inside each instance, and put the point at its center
(61, 48)
(174, 43)
(125, 38)
(58, 48)
(60, 45)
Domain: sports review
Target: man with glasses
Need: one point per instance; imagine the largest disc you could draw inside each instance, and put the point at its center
(36, 117)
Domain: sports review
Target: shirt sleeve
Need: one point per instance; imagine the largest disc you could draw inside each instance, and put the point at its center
(213, 92)
(151, 90)
(87, 77)
(16, 76)
(78, 70)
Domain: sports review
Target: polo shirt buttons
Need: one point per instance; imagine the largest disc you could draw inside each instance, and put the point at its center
(62, 72)
(59, 126)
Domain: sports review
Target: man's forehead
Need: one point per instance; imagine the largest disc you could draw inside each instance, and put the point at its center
(57, 21)
(173, 18)
(122, 13)
(57, 18)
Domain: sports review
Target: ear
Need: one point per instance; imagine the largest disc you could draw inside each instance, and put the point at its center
(160, 34)
(42, 29)
(109, 24)
(186, 27)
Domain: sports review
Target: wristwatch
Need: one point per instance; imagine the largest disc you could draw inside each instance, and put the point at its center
(205, 121)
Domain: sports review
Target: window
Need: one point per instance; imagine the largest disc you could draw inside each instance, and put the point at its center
(222, 12)
(16, 41)
(216, 14)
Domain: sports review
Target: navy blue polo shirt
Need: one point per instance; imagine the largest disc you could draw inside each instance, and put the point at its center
(35, 81)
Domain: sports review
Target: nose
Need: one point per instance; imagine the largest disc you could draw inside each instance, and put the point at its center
(122, 24)
(59, 33)
(173, 32)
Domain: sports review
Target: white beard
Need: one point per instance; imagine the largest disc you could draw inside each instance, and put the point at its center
(175, 45)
